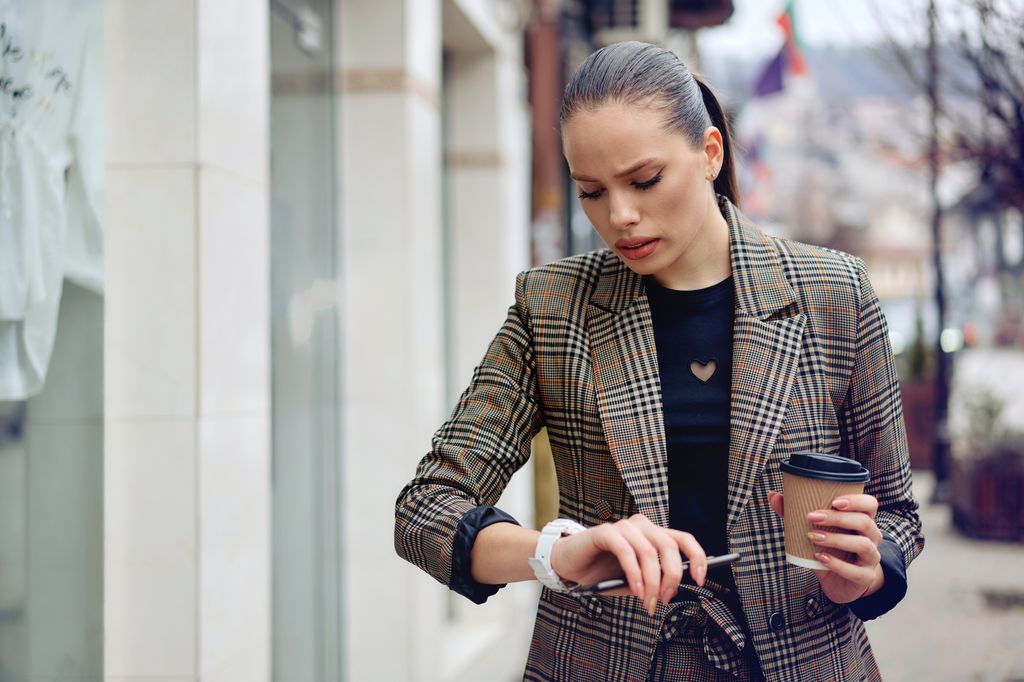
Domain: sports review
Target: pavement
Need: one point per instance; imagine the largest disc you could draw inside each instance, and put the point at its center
(963, 617)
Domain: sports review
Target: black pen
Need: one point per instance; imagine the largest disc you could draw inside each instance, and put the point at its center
(613, 583)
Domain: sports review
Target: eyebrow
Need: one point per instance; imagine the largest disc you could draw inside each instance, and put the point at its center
(632, 169)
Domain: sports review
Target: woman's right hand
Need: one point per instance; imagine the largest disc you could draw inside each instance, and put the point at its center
(646, 554)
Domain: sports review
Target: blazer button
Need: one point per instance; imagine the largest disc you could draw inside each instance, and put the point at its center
(592, 608)
(776, 622)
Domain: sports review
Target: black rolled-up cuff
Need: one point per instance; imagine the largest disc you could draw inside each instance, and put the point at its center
(894, 589)
(473, 522)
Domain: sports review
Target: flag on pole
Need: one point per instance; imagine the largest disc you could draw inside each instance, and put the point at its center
(790, 58)
(770, 80)
(794, 54)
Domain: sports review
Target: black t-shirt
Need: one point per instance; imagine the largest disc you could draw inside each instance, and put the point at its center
(693, 336)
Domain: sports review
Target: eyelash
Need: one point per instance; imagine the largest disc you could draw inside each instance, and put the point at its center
(642, 186)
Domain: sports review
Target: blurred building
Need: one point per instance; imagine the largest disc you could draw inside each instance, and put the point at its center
(314, 213)
(985, 247)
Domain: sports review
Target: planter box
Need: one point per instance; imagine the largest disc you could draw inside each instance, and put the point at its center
(919, 414)
(988, 501)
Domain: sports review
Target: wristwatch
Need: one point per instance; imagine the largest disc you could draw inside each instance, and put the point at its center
(540, 562)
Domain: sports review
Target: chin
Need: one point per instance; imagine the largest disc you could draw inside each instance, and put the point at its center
(642, 269)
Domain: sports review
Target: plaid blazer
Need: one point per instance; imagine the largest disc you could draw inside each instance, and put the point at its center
(812, 370)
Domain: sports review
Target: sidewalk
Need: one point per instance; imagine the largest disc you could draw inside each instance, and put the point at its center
(963, 616)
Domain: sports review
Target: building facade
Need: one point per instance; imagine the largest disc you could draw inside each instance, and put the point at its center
(313, 214)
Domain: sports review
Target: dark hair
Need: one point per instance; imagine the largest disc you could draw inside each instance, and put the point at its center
(634, 72)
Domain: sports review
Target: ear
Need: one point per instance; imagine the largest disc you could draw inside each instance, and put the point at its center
(714, 151)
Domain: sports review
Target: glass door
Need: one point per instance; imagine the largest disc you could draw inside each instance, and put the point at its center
(51, 508)
(304, 318)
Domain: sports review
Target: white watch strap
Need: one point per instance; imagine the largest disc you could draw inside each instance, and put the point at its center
(541, 560)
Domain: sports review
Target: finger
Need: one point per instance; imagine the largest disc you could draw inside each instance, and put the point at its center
(857, 503)
(695, 554)
(855, 573)
(671, 562)
(776, 502)
(650, 566)
(866, 551)
(611, 540)
(857, 522)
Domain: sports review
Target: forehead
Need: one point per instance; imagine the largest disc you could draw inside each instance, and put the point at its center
(615, 117)
(610, 135)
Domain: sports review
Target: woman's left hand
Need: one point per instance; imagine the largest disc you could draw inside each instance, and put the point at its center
(845, 581)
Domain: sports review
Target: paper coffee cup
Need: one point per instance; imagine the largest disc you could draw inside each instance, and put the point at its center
(811, 481)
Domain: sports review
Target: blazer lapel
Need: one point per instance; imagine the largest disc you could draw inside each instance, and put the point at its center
(766, 350)
(628, 386)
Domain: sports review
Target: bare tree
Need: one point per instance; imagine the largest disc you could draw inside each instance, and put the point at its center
(980, 91)
(973, 79)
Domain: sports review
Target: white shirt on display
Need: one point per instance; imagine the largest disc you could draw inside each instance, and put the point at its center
(51, 175)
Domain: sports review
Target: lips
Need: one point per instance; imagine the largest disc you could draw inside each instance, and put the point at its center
(635, 248)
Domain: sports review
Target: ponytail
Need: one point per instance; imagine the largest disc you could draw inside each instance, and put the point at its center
(725, 181)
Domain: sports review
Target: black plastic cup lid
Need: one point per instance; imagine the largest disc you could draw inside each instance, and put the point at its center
(826, 467)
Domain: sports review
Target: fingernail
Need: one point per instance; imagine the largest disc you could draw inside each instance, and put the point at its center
(822, 557)
(702, 572)
(816, 537)
(841, 503)
(817, 517)
(652, 606)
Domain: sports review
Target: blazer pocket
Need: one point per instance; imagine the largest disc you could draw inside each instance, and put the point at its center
(589, 607)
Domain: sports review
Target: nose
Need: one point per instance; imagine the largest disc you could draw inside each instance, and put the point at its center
(622, 213)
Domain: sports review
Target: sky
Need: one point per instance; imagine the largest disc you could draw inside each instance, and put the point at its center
(751, 32)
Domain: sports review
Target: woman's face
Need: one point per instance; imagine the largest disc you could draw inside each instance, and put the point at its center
(647, 192)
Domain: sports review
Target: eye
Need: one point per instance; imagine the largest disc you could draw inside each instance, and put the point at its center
(647, 184)
(590, 195)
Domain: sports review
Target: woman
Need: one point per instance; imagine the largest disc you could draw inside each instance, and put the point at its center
(674, 370)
